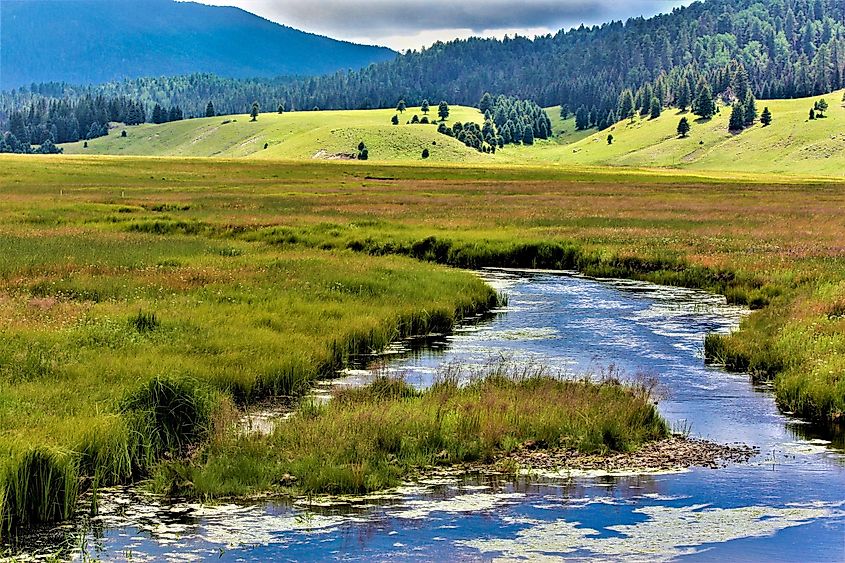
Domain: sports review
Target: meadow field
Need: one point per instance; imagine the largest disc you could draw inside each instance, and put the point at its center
(146, 299)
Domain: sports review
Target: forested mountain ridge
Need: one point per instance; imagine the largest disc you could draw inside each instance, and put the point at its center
(727, 48)
(96, 41)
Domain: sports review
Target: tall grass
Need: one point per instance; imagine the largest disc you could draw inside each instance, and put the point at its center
(370, 438)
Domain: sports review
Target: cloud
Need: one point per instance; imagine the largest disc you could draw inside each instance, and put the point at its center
(375, 19)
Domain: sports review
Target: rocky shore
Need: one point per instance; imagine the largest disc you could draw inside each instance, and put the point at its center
(672, 454)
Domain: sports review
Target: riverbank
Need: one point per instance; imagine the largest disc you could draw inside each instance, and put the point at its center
(249, 279)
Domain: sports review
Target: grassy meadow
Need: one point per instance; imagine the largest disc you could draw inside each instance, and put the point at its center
(792, 144)
(145, 299)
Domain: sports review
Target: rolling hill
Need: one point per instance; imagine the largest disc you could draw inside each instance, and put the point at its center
(792, 144)
(293, 135)
(94, 41)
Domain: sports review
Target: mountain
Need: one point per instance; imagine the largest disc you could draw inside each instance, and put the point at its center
(95, 41)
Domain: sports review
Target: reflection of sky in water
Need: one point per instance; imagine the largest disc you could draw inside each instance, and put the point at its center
(786, 505)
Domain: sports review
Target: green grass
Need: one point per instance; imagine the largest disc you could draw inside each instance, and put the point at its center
(791, 145)
(199, 282)
(371, 438)
(301, 135)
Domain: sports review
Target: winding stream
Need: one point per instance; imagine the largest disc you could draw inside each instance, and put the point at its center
(787, 504)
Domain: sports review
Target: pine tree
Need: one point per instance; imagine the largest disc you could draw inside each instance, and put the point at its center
(749, 109)
(737, 121)
(528, 135)
(610, 139)
(582, 119)
(443, 111)
(158, 114)
(626, 105)
(395, 120)
(821, 107)
(209, 110)
(425, 108)
(485, 103)
(254, 112)
(683, 127)
(812, 113)
(766, 117)
(655, 108)
(401, 106)
(281, 108)
(684, 96)
(704, 106)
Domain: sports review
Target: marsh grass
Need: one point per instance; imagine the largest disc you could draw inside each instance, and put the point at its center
(265, 275)
(370, 438)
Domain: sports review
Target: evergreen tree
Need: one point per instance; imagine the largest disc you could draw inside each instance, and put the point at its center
(486, 103)
(425, 108)
(737, 121)
(766, 117)
(683, 127)
(684, 96)
(626, 105)
(610, 139)
(655, 109)
(401, 106)
(812, 113)
(395, 120)
(281, 108)
(704, 105)
(363, 152)
(255, 111)
(528, 135)
(209, 110)
(821, 108)
(582, 119)
(443, 111)
(425, 153)
(749, 109)
(158, 114)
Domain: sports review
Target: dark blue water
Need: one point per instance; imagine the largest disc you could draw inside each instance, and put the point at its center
(788, 504)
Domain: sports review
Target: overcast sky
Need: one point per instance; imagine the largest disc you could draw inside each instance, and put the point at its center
(410, 24)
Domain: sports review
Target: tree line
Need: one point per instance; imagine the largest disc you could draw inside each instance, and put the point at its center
(785, 48)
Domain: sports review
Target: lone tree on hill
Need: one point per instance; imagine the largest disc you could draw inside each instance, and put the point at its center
(395, 120)
(425, 153)
(209, 110)
(254, 113)
(425, 107)
(443, 111)
(610, 139)
(401, 106)
(766, 117)
(683, 127)
(737, 121)
(812, 113)
(821, 107)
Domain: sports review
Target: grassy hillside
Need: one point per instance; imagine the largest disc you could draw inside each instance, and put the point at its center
(293, 135)
(791, 144)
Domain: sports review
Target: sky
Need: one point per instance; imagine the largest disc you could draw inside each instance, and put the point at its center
(411, 24)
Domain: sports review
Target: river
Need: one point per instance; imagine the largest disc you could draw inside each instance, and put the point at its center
(787, 504)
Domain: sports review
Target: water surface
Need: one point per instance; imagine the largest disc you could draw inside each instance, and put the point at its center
(787, 504)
